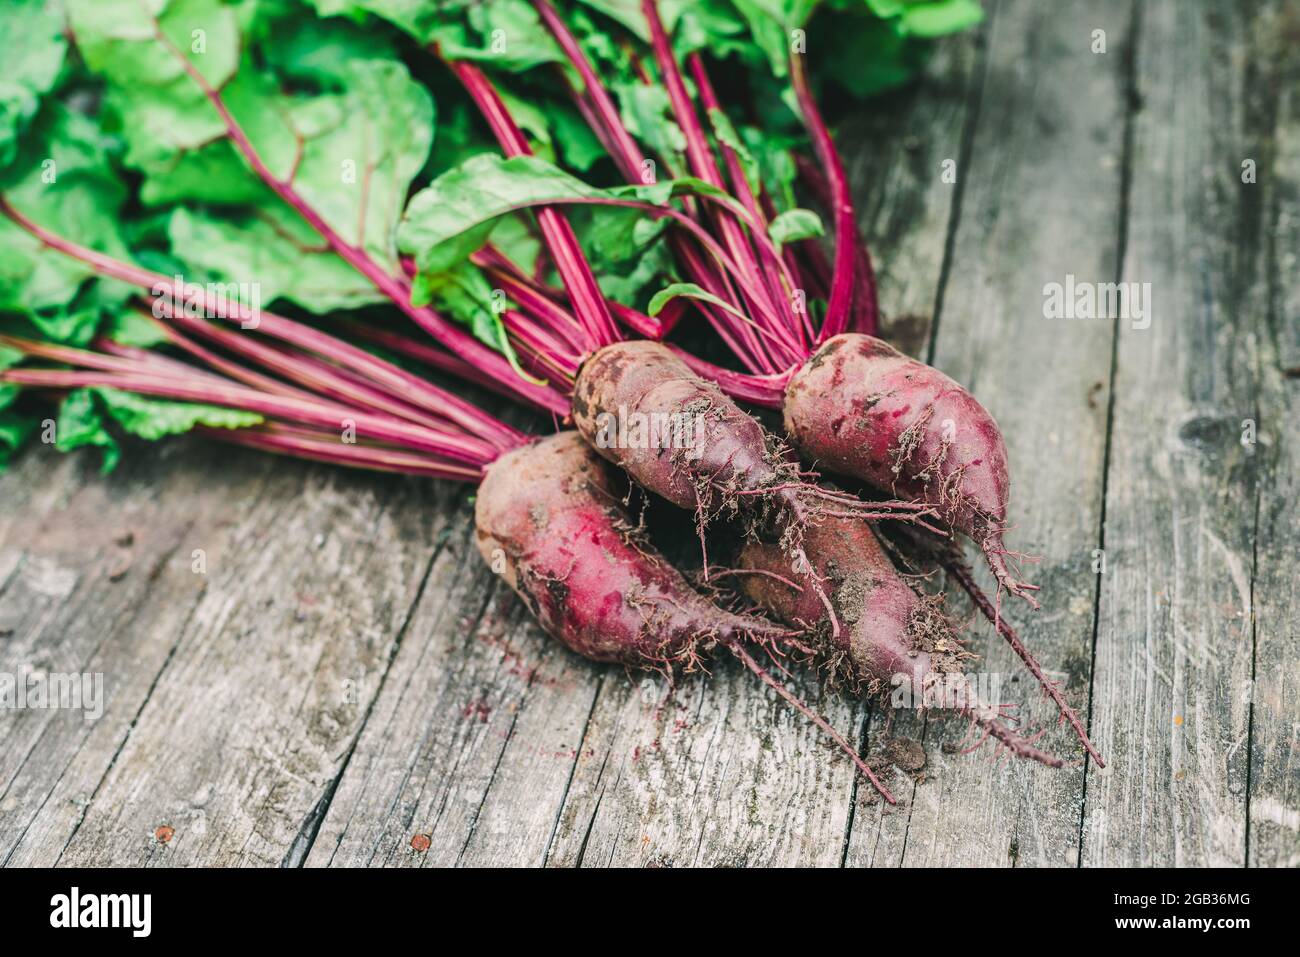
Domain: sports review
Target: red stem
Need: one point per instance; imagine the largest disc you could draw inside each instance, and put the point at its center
(700, 156)
(588, 302)
(449, 445)
(317, 376)
(866, 307)
(394, 379)
(625, 152)
(298, 444)
(767, 391)
(779, 281)
(843, 281)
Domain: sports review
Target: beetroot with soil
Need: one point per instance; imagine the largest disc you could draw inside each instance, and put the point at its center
(550, 521)
(892, 636)
(862, 408)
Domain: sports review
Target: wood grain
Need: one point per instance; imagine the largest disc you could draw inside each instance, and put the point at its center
(1174, 648)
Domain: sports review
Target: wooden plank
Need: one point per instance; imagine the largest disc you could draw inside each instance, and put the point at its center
(473, 739)
(1273, 836)
(1173, 657)
(894, 151)
(719, 774)
(94, 577)
(1042, 199)
(236, 693)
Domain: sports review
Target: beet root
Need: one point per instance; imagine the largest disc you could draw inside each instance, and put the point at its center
(706, 448)
(862, 408)
(681, 437)
(549, 519)
(891, 636)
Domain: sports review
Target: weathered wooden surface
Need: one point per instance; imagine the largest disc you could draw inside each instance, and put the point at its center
(344, 684)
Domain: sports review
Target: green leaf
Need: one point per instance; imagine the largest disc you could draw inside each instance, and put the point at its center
(626, 285)
(314, 51)
(453, 215)
(153, 419)
(32, 49)
(647, 113)
(464, 293)
(941, 18)
(85, 414)
(62, 180)
(513, 239)
(613, 235)
(132, 329)
(530, 118)
(9, 357)
(81, 424)
(15, 430)
(776, 165)
(794, 225)
(274, 261)
(163, 110)
(771, 32)
(865, 55)
(338, 119)
(578, 146)
(689, 290)
(508, 34)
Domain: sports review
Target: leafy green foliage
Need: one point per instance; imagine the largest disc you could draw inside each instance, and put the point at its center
(154, 418)
(334, 116)
(32, 49)
(689, 290)
(86, 417)
(61, 178)
(454, 215)
(15, 431)
(507, 34)
(794, 225)
(81, 424)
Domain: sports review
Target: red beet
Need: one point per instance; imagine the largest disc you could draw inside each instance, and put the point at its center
(624, 387)
(549, 519)
(891, 634)
(728, 461)
(862, 408)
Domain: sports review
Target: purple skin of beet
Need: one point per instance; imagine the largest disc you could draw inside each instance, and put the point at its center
(861, 408)
(881, 613)
(549, 519)
(645, 379)
(892, 637)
